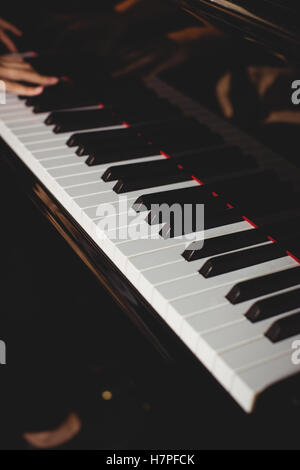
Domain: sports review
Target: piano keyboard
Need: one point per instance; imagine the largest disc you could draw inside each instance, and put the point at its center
(235, 302)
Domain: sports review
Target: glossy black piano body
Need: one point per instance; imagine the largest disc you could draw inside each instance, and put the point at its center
(268, 424)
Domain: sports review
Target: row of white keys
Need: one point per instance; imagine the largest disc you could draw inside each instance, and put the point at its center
(147, 261)
(59, 166)
(194, 304)
(247, 384)
(182, 288)
(239, 351)
(233, 363)
(222, 328)
(191, 327)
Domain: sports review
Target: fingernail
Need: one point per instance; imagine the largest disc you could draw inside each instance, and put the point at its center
(30, 54)
(38, 90)
(53, 80)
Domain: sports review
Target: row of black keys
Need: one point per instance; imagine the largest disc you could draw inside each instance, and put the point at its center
(65, 95)
(110, 146)
(184, 134)
(137, 142)
(270, 195)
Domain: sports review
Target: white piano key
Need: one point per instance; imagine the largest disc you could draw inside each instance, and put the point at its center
(89, 201)
(192, 326)
(248, 384)
(231, 336)
(9, 110)
(50, 163)
(32, 120)
(56, 152)
(43, 140)
(27, 128)
(76, 169)
(193, 303)
(79, 180)
(137, 264)
(42, 146)
(10, 97)
(97, 168)
(21, 117)
(247, 355)
(90, 188)
(145, 261)
(180, 288)
(94, 214)
(131, 247)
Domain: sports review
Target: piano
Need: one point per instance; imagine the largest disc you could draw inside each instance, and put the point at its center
(198, 131)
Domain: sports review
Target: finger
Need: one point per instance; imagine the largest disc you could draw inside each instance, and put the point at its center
(7, 42)
(10, 27)
(23, 90)
(27, 76)
(15, 62)
(16, 57)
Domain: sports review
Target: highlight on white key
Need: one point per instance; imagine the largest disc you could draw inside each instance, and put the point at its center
(2, 353)
(124, 221)
(2, 92)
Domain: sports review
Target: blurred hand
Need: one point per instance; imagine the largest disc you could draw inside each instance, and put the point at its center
(5, 26)
(14, 70)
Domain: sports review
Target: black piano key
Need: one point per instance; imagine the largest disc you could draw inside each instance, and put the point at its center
(83, 138)
(55, 93)
(264, 285)
(242, 259)
(118, 92)
(68, 121)
(129, 185)
(218, 161)
(64, 104)
(247, 187)
(169, 141)
(109, 118)
(215, 246)
(152, 103)
(173, 128)
(219, 219)
(206, 161)
(148, 130)
(140, 170)
(284, 328)
(262, 198)
(65, 94)
(60, 97)
(76, 99)
(262, 204)
(292, 245)
(282, 230)
(175, 149)
(273, 306)
(184, 195)
(110, 157)
(79, 118)
(126, 142)
(212, 206)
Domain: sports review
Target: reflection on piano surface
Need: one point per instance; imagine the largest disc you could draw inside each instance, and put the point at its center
(171, 108)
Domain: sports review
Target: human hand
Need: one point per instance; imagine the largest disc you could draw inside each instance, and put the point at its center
(14, 70)
(5, 26)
